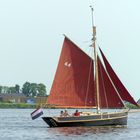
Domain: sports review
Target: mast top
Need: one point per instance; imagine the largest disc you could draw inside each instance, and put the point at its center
(92, 10)
(93, 26)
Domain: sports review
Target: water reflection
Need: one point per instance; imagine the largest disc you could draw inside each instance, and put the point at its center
(16, 124)
(67, 131)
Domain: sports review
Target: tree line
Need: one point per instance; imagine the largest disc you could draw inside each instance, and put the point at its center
(28, 89)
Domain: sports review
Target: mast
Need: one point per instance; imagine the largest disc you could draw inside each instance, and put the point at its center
(95, 60)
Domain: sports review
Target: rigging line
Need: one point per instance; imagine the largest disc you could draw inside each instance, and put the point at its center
(115, 88)
(103, 82)
(103, 85)
(90, 68)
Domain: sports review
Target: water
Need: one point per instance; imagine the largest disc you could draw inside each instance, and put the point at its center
(16, 124)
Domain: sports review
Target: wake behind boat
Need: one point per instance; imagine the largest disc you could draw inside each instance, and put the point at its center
(84, 82)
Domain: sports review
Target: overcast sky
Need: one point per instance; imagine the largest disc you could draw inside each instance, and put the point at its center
(31, 36)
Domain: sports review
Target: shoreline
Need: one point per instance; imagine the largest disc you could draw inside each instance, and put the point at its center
(17, 106)
(134, 110)
(33, 106)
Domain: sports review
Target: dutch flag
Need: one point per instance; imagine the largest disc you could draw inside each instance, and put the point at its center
(37, 113)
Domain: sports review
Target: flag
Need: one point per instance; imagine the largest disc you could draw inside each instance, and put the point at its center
(37, 113)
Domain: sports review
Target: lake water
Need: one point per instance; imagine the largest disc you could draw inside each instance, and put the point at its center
(16, 124)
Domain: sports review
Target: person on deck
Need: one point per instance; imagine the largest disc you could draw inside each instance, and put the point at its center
(76, 113)
(66, 114)
(62, 114)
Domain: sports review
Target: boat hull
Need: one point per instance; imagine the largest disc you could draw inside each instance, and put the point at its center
(89, 120)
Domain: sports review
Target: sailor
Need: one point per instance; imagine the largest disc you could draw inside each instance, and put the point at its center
(66, 114)
(77, 113)
(61, 113)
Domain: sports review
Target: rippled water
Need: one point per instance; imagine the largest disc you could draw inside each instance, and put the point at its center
(16, 124)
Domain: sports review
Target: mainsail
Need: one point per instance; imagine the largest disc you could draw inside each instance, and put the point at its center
(73, 85)
(116, 81)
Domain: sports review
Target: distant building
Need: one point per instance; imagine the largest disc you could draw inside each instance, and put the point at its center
(21, 98)
(41, 99)
(13, 98)
(30, 100)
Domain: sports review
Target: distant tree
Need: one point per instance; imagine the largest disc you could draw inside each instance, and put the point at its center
(11, 90)
(17, 88)
(41, 89)
(5, 89)
(0, 89)
(33, 89)
(26, 89)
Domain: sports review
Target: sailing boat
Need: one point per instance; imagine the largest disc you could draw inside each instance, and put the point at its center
(84, 82)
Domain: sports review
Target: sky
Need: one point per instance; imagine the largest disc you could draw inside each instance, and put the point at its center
(31, 37)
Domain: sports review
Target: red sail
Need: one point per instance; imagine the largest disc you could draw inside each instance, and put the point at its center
(108, 95)
(73, 85)
(118, 84)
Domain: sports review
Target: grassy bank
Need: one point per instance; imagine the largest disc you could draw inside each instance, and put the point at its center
(25, 105)
(16, 105)
(132, 106)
